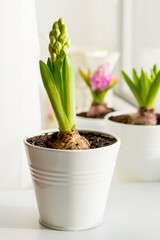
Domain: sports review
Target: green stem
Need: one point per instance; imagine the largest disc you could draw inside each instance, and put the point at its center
(69, 91)
(98, 98)
(54, 97)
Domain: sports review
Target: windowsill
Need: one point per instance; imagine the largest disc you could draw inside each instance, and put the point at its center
(126, 211)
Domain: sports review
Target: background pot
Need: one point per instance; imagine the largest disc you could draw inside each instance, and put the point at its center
(90, 57)
(139, 156)
(90, 123)
(71, 186)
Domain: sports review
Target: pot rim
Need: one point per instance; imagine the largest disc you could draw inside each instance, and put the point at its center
(69, 151)
(116, 113)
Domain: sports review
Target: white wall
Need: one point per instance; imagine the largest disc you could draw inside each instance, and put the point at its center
(145, 28)
(91, 22)
(140, 39)
(142, 32)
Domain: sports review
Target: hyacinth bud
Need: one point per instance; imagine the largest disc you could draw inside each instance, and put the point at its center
(67, 44)
(63, 38)
(65, 49)
(59, 42)
(60, 21)
(55, 25)
(50, 49)
(51, 33)
(53, 56)
(62, 53)
(52, 40)
(63, 28)
(57, 47)
(56, 33)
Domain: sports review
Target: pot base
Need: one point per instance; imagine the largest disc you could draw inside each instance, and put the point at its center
(59, 228)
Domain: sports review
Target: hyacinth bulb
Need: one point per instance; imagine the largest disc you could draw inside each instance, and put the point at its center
(101, 78)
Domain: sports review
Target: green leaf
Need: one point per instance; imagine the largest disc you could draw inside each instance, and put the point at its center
(69, 91)
(54, 97)
(132, 88)
(152, 77)
(153, 91)
(85, 77)
(49, 64)
(57, 76)
(144, 86)
(155, 69)
(135, 77)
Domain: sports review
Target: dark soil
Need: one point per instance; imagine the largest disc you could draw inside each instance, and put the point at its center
(95, 140)
(158, 119)
(100, 116)
(121, 118)
(127, 119)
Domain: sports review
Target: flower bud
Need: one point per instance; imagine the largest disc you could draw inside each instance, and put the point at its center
(50, 49)
(55, 25)
(54, 56)
(51, 33)
(57, 47)
(63, 28)
(52, 40)
(59, 41)
(56, 33)
(63, 38)
(60, 21)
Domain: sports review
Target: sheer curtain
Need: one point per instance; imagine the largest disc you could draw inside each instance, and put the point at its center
(19, 89)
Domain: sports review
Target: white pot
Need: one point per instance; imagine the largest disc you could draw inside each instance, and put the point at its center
(90, 123)
(71, 186)
(139, 156)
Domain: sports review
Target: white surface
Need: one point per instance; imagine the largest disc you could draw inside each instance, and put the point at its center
(132, 213)
(72, 185)
(139, 155)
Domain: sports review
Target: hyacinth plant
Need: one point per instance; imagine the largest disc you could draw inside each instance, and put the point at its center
(59, 81)
(99, 82)
(144, 88)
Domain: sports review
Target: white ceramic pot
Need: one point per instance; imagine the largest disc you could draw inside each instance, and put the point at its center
(139, 156)
(71, 186)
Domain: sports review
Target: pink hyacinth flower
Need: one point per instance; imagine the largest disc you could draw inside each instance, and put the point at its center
(101, 78)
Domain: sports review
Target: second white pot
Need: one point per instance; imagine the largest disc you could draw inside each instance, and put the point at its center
(90, 123)
(139, 156)
(71, 186)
